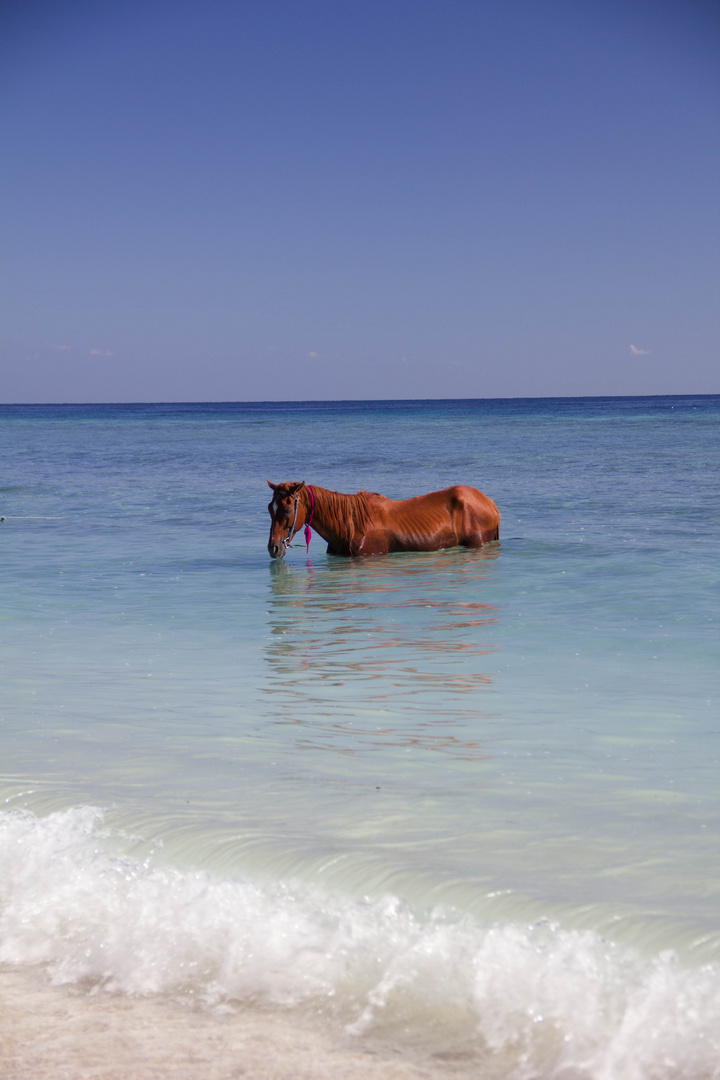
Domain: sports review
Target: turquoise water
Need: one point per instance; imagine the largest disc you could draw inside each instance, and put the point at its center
(450, 799)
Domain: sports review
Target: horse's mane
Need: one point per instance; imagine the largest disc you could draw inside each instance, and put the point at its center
(350, 514)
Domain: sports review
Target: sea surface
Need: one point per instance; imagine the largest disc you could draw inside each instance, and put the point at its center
(458, 808)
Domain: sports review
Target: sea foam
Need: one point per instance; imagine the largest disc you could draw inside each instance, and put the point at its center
(538, 1000)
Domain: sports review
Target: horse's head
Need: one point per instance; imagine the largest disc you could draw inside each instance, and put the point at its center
(283, 510)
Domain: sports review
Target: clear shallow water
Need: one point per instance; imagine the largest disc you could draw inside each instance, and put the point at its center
(458, 799)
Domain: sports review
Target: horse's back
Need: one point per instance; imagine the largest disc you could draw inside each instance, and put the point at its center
(459, 496)
(474, 497)
(456, 515)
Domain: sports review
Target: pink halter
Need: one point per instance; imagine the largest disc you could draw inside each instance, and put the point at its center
(308, 530)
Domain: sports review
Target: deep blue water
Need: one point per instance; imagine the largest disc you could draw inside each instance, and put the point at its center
(484, 783)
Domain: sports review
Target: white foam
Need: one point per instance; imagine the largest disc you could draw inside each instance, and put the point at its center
(543, 1000)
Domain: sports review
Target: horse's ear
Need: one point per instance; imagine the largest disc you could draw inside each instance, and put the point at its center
(271, 485)
(297, 487)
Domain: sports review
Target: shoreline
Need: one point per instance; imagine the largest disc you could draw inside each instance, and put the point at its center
(62, 1033)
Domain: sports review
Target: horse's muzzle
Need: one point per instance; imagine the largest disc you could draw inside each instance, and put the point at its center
(277, 549)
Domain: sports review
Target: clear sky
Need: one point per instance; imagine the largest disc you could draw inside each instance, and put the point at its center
(220, 200)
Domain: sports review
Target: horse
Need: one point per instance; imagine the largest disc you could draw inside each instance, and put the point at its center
(370, 524)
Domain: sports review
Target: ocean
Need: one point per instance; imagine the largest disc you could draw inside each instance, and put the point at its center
(424, 815)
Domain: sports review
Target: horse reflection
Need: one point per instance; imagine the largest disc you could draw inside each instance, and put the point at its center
(377, 654)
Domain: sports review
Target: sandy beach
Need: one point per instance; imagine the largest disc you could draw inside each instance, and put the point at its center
(51, 1033)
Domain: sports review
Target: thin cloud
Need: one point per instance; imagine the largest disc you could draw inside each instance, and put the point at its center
(313, 355)
(639, 352)
(100, 352)
(61, 348)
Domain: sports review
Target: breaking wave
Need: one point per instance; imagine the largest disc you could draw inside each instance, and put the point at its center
(540, 1000)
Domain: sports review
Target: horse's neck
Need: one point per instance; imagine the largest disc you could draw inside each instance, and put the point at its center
(336, 517)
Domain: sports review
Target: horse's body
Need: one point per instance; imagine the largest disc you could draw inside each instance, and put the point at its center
(370, 524)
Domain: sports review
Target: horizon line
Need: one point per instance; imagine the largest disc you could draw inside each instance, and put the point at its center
(348, 401)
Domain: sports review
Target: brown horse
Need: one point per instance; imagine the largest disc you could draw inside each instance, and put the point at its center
(370, 524)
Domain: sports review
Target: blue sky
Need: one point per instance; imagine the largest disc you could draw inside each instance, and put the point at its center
(324, 199)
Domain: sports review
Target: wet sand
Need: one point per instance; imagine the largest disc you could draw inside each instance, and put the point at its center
(52, 1033)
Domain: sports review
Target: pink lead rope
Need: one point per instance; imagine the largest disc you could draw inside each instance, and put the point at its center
(308, 530)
